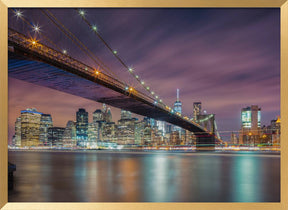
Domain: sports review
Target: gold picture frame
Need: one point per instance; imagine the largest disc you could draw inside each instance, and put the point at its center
(5, 4)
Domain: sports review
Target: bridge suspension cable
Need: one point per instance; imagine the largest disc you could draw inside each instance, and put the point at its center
(21, 16)
(69, 34)
(77, 42)
(130, 70)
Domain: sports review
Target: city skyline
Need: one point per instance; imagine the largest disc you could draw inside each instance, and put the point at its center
(252, 76)
(251, 122)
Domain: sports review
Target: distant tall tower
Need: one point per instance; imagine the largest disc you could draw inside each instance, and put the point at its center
(196, 110)
(30, 124)
(178, 108)
(82, 127)
(178, 104)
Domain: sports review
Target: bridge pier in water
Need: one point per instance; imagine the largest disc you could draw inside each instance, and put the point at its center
(205, 143)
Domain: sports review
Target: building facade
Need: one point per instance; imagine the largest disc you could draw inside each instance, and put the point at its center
(45, 123)
(55, 136)
(69, 135)
(250, 125)
(82, 127)
(30, 127)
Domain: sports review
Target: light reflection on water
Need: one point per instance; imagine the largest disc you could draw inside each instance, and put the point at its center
(140, 177)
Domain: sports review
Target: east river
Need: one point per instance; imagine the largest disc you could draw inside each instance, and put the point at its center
(104, 176)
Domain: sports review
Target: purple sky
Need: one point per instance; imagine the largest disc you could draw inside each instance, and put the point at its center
(226, 58)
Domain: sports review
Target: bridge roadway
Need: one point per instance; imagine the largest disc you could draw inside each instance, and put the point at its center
(38, 64)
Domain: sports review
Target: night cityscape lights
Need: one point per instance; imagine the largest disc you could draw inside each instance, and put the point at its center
(104, 133)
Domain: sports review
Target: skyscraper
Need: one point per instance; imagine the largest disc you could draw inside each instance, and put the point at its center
(30, 124)
(251, 124)
(178, 104)
(178, 108)
(82, 127)
(45, 123)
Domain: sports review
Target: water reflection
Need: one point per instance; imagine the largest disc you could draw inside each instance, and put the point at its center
(136, 177)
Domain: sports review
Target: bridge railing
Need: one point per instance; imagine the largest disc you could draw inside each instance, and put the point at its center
(34, 45)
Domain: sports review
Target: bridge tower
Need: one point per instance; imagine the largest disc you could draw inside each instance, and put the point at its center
(206, 141)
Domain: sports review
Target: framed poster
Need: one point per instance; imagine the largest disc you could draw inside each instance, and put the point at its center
(193, 5)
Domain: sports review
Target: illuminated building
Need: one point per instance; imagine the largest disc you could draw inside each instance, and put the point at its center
(18, 132)
(233, 138)
(98, 115)
(178, 104)
(94, 134)
(69, 135)
(139, 132)
(276, 128)
(161, 127)
(148, 135)
(251, 125)
(178, 108)
(82, 127)
(175, 138)
(45, 123)
(149, 121)
(126, 130)
(109, 132)
(271, 133)
(103, 115)
(108, 115)
(55, 136)
(196, 110)
(168, 128)
(125, 114)
(30, 124)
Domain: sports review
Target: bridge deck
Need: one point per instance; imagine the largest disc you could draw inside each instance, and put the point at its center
(43, 74)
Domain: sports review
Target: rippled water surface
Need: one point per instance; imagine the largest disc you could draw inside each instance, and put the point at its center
(145, 177)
